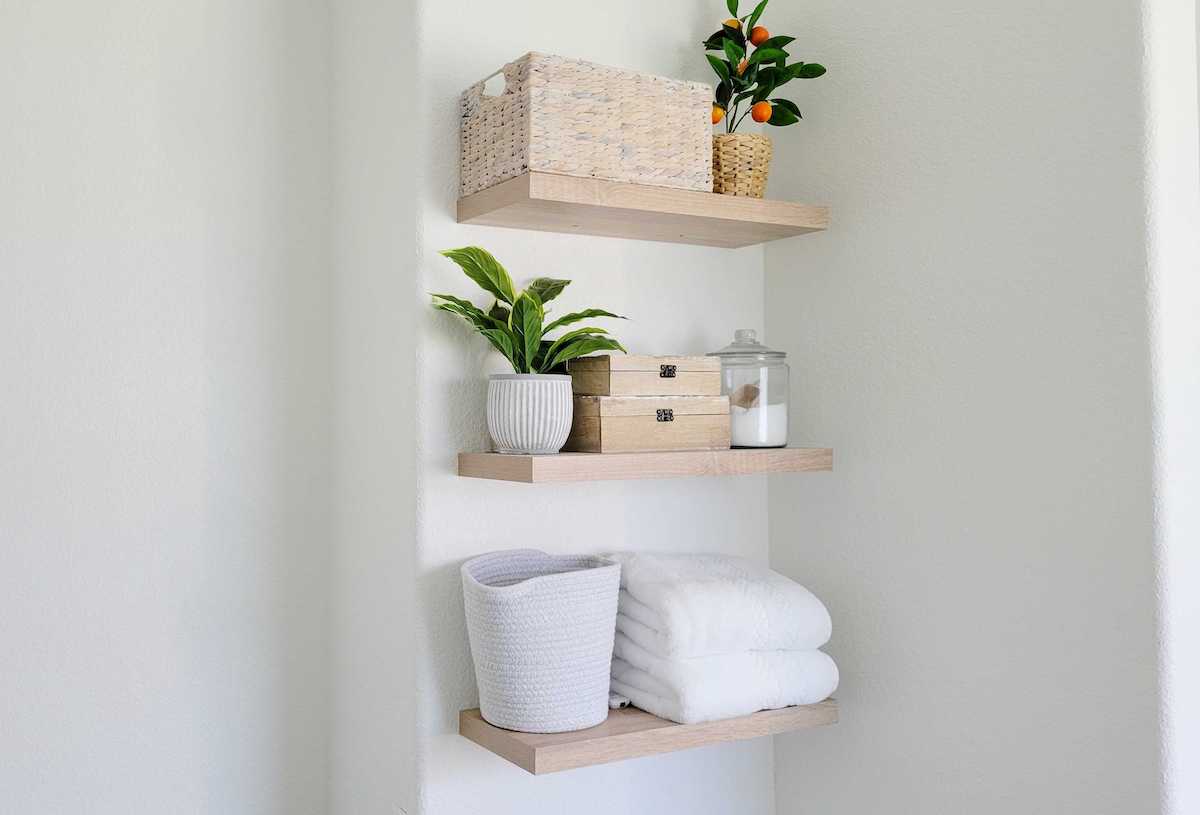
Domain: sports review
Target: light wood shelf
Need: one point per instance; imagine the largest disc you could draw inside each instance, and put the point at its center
(590, 206)
(632, 733)
(618, 466)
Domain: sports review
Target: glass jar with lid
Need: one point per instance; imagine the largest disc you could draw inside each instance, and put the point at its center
(756, 379)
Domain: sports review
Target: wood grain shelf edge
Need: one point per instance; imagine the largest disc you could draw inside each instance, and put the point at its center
(557, 203)
(633, 733)
(567, 467)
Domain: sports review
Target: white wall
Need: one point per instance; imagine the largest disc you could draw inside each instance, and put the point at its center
(972, 337)
(373, 707)
(164, 391)
(681, 299)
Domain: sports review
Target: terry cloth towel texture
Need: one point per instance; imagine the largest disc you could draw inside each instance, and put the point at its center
(704, 689)
(683, 606)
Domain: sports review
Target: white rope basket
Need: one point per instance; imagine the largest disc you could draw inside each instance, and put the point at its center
(541, 629)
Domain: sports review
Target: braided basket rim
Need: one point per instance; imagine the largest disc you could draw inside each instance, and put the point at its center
(594, 563)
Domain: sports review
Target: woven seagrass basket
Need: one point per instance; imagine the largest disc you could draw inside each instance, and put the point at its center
(541, 629)
(741, 162)
(577, 118)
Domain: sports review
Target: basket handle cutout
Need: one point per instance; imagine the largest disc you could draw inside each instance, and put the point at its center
(494, 85)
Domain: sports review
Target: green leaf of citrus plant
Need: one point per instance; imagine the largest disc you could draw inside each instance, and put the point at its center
(734, 52)
(754, 15)
(716, 41)
(777, 42)
(720, 66)
(764, 54)
(724, 91)
(783, 113)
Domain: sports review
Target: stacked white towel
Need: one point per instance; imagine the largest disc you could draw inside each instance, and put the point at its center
(704, 637)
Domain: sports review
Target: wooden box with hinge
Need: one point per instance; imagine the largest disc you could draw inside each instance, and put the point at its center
(627, 424)
(640, 375)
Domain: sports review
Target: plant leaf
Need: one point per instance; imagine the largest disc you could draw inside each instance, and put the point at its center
(480, 266)
(539, 359)
(732, 5)
(720, 66)
(787, 103)
(767, 77)
(576, 316)
(736, 35)
(584, 346)
(527, 326)
(734, 53)
(724, 91)
(499, 313)
(502, 341)
(716, 41)
(777, 42)
(783, 113)
(547, 288)
(763, 54)
(587, 330)
(810, 70)
(754, 15)
(465, 309)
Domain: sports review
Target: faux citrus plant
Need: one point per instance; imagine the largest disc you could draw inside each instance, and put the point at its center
(515, 323)
(754, 66)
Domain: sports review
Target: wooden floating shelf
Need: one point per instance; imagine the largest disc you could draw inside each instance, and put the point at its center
(589, 206)
(632, 733)
(616, 466)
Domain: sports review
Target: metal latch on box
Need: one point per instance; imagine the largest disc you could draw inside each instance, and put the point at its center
(666, 371)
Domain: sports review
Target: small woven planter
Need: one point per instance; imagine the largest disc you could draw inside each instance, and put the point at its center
(541, 629)
(577, 118)
(741, 162)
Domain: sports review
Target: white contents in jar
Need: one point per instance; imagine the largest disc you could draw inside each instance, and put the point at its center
(760, 426)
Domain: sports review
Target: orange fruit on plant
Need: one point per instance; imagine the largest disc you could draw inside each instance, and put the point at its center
(718, 114)
(761, 111)
(734, 22)
(759, 35)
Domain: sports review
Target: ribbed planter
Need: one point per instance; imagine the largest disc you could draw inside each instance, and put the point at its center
(529, 413)
(741, 162)
(541, 629)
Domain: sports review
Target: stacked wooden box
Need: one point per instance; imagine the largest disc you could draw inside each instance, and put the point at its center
(632, 403)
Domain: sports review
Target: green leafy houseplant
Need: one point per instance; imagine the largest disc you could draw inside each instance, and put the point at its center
(752, 66)
(515, 324)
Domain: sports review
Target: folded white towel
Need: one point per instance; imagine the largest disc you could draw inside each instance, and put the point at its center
(704, 689)
(696, 605)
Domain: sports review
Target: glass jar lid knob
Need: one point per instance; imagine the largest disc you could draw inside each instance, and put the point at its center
(745, 344)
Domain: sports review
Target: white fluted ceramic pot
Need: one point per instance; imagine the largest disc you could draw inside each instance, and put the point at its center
(529, 413)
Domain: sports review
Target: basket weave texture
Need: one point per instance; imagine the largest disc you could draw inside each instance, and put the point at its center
(741, 162)
(541, 629)
(577, 118)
